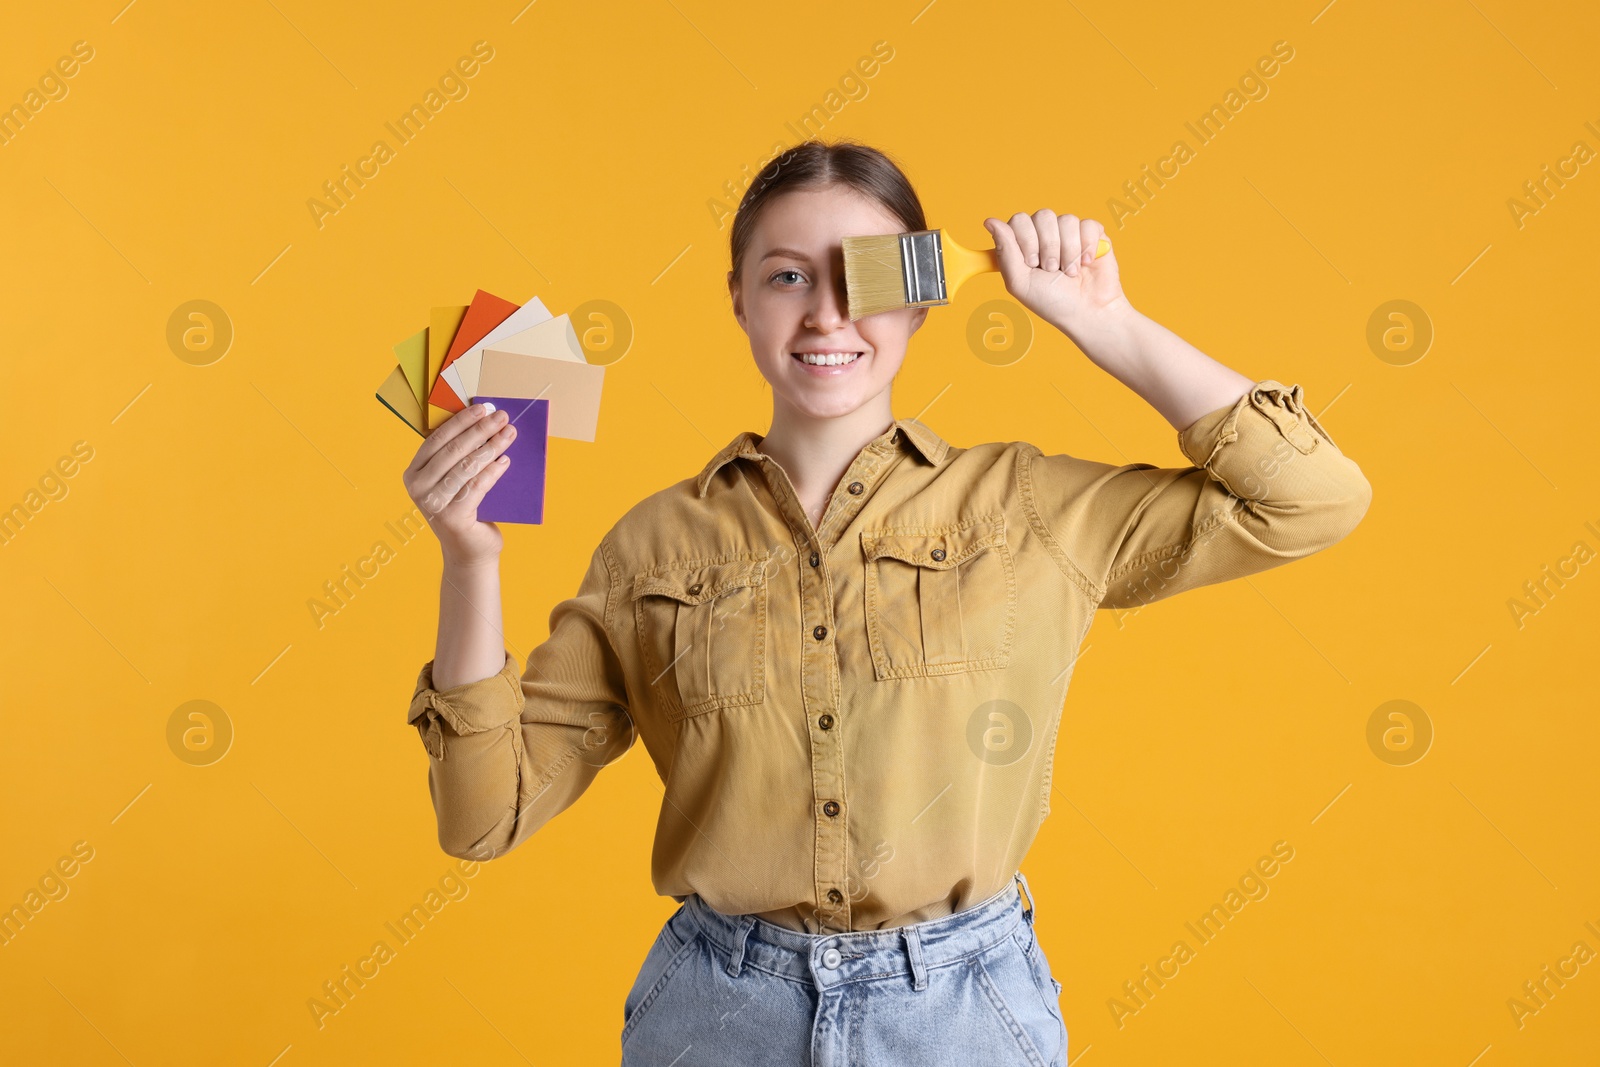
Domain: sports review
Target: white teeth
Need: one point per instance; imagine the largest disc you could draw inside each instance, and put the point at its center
(828, 360)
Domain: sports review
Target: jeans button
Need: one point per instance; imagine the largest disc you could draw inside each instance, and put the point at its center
(831, 958)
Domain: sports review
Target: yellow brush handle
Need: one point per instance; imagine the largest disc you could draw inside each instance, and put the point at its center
(961, 262)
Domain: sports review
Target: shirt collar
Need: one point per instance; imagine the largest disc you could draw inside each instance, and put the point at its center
(929, 445)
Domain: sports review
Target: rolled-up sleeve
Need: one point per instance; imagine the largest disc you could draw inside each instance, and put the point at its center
(508, 753)
(1267, 486)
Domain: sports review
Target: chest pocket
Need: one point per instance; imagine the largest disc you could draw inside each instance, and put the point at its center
(703, 634)
(939, 600)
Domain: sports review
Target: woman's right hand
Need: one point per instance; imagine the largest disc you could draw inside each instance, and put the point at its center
(449, 476)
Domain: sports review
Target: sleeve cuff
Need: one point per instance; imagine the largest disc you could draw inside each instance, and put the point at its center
(468, 708)
(1279, 405)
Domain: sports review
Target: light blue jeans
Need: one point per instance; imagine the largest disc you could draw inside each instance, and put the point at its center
(969, 988)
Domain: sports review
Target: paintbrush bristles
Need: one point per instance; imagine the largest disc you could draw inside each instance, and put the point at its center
(874, 274)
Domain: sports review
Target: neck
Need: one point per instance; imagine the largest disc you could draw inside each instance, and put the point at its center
(814, 452)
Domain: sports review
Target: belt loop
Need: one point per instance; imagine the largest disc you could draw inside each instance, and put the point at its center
(919, 973)
(736, 960)
(1029, 909)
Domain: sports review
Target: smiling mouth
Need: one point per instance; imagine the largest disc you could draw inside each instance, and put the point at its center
(826, 359)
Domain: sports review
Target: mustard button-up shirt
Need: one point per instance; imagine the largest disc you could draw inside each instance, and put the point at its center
(854, 725)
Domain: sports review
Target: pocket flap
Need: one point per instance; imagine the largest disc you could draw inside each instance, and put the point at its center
(695, 585)
(937, 549)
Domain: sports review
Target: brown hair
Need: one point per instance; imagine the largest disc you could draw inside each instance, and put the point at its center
(813, 164)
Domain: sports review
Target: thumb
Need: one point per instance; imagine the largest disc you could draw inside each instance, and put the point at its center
(1009, 252)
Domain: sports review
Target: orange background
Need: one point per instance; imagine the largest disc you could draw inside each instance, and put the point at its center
(178, 562)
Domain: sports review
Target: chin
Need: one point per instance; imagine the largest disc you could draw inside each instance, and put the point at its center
(843, 407)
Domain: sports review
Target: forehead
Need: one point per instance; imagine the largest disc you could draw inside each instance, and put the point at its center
(815, 220)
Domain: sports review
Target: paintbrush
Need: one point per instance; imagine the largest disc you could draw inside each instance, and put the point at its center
(885, 272)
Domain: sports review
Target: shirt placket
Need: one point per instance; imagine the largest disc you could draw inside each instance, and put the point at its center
(819, 670)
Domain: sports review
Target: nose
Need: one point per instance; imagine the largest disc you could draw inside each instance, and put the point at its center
(829, 309)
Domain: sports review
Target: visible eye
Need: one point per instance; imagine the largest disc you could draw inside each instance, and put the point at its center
(781, 273)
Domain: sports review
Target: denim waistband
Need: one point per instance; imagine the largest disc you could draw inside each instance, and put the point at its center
(835, 959)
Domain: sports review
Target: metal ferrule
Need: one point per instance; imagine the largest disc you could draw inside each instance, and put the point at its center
(922, 258)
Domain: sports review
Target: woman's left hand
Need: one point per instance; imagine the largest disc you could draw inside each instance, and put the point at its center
(1048, 264)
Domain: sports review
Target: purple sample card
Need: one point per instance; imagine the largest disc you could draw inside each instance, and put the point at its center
(519, 494)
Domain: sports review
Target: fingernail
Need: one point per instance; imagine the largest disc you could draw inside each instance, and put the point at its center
(488, 408)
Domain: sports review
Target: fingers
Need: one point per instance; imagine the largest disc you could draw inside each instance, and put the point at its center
(1046, 241)
(463, 444)
(1092, 233)
(1027, 238)
(1071, 244)
(1012, 264)
(452, 467)
(1050, 244)
(479, 484)
(453, 488)
(446, 432)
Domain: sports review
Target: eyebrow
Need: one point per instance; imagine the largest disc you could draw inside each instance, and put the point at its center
(790, 253)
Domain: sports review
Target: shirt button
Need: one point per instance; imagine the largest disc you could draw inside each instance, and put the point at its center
(694, 590)
(814, 559)
(831, 807)
(825, 721)
(856, 488)
(834, 896)
(819, 632)
(937, 553)
(831, 958)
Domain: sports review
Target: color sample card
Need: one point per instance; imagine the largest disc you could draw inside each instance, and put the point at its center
(555, 339)
(573, 389)
(463, 373)
(484, 313)
(413, 356)
(395, 394)
(443, 322)
(525, 361)
(519, 494)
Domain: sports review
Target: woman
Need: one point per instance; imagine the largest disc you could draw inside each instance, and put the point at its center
(845, 644)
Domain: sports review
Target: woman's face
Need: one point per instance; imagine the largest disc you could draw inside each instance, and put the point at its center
(791, 299)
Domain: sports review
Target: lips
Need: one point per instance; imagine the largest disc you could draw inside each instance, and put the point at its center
(832, 358)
